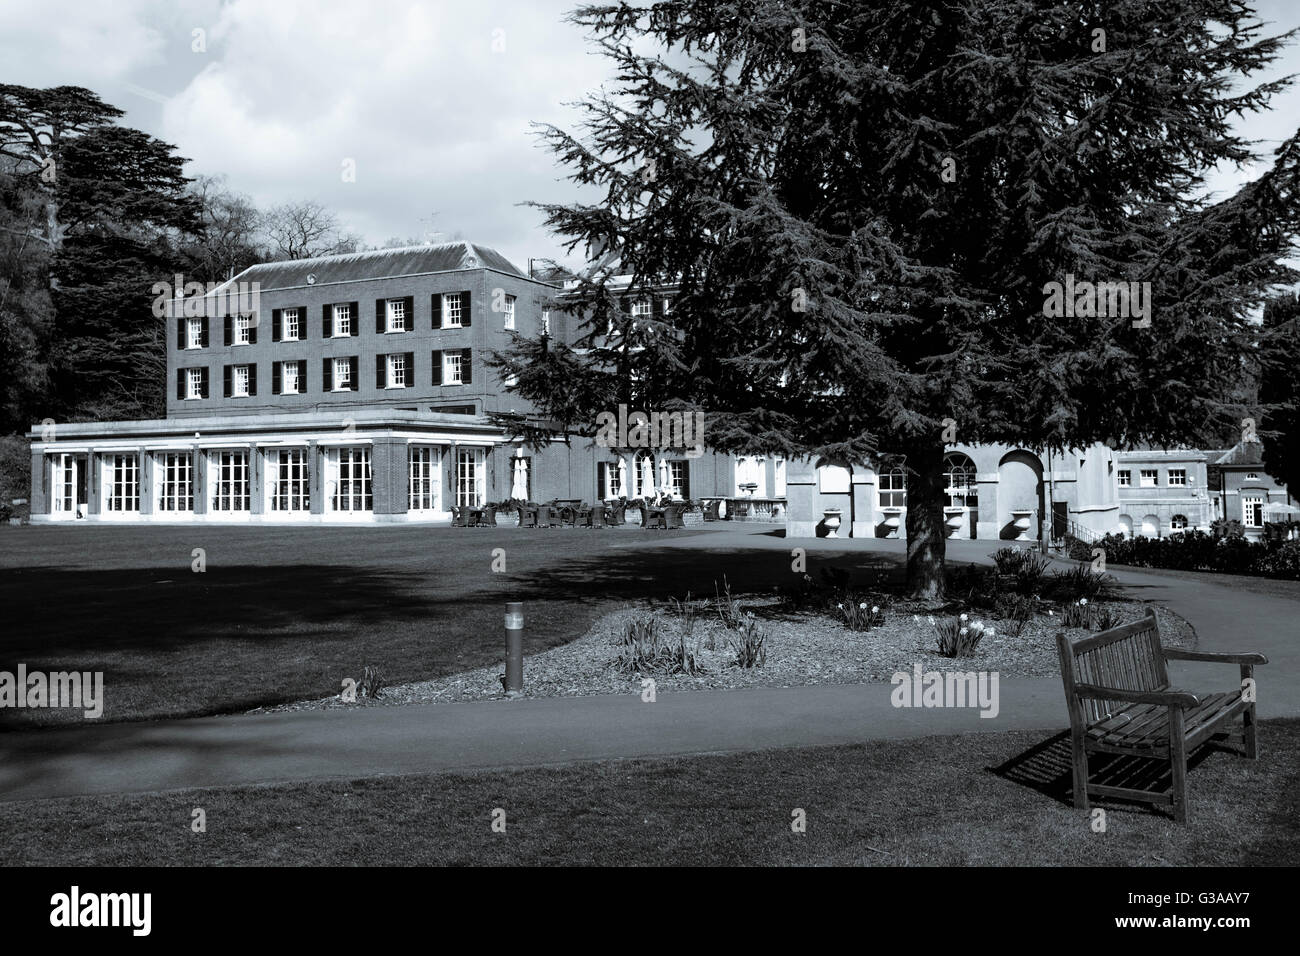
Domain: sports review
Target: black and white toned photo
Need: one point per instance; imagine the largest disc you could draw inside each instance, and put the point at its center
(664, 433)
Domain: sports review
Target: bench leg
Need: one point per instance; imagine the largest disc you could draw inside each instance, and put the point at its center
(1080, 762)
(1178, 763)
(1248, 717)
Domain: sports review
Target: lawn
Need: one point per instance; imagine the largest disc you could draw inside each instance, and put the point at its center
(981, 799)
(285, 614)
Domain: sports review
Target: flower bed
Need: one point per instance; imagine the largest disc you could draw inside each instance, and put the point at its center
(805, 635)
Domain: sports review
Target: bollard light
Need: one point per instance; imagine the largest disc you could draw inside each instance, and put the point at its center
(514, 648)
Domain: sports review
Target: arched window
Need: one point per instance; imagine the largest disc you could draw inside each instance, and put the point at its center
(1126, 526)
(959, 481)
(1150, 526)
(893, 488)
(1178, 522)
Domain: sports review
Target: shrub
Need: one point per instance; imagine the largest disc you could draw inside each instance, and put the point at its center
(1080, 582)
(643, 649)
(959, 638)
(728, 608)
(974, 586)
(1078, 614)
(1027, 567)
(750, 644)
(372, 683)
(1227, 528)
(1105, 618)
(1018, 609)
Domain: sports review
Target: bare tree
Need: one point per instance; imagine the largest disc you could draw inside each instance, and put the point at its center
(230, 230)
(304, 230)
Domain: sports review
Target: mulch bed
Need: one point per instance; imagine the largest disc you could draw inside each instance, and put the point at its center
(803, 647)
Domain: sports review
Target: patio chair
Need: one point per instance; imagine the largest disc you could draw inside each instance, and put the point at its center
(651, 519)
(596, 515)
(545, 516)
(489, 517)
(711, 510)
(617, 513)
(528, 516)
(459, 516)
(673, 516)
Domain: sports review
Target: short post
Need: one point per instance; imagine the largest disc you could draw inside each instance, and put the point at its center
(514, 648)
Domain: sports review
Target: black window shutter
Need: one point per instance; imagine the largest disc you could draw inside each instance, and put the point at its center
(327, 374)
(686, 479)
(275, 325)
(304, 323)
(203, 336)
(252, 379)
(203, 382)
(226, 338)
(436, 309)
(180, 333)
(379, 316)
(325, 330)
(180, 383)
(466, 367)
(437, 366)
(275, 378)
(466, 313)
(355, 325)
(409, 310)
(354, 380)
(225, 381)
(302, 376)
(252, 329)
(410, 369)
(379, 371)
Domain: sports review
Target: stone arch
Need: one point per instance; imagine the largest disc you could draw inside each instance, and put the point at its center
(1020, 490)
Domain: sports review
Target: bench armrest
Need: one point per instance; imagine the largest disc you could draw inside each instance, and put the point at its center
(1178, 654)
(1169, 698)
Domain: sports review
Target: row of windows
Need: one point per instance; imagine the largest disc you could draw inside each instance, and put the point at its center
(1149, 478)
(338, 374)
(346, 480)
(449, 310)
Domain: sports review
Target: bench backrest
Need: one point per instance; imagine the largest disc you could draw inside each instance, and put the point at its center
(1128, 657)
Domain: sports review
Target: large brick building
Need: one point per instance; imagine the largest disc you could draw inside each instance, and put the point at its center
(352, 388)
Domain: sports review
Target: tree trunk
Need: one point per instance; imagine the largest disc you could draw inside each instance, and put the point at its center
(926, 532)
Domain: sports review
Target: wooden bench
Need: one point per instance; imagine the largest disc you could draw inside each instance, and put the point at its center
(1120, 702)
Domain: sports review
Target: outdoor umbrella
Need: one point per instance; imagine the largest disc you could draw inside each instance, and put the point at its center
(665, 483)
(622, 476)
(519, 490)
(647, 476)
(1278, 508)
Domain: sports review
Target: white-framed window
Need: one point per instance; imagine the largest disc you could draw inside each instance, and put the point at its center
(510, 312)
(607, 479)
(240, 328)
(68, 483)
(546, 322)
(291, 328)
(424, 478)
(1148, 478)
(175, 481)
(290, 490)
(289, 378)
(396, 311)
(451, 311)
(960, 485)
(349, 469)
(230, 487)
(193, 383)
(342, 374)
(470, 491)
(239, 381)
(194, 333)
(679, 478)
(641, 309)
(751, 476)
(123, 480)
(397, 370)
(1177, 477)
(342, 320)
(1252, 511)
(1125, 478)
(892, 490)
(452, 373)
(1178, 523)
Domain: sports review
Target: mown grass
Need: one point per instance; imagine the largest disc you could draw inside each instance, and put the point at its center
(983, 799)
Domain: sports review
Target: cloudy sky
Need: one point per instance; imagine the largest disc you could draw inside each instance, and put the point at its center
(431, 100)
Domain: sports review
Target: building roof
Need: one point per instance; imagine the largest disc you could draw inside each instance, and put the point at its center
(378, 264)
(1242, 453)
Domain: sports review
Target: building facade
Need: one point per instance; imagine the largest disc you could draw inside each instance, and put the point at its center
(1241, 490)
(1163, 492)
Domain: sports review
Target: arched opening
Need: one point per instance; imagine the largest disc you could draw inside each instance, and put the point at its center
(962, 494)
(1020, 496)
(1126, 526)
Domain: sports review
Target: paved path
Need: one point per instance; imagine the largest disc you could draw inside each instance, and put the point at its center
(314, 745)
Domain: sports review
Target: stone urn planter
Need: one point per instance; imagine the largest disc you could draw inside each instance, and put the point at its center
(954, 519)
(893, 520)
(1021, 520)
(831, 519)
